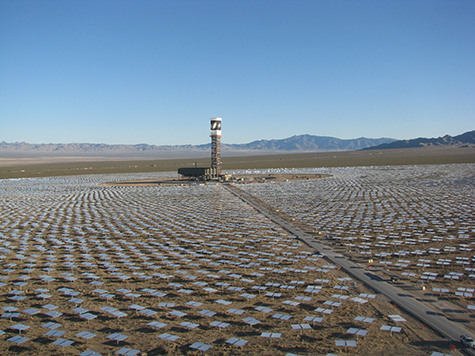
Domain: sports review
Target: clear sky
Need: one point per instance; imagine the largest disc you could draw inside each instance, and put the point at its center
(154, 72)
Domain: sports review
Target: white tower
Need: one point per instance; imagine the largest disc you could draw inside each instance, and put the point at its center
(216, 144)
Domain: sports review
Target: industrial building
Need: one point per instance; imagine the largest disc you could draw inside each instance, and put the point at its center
(206, 173)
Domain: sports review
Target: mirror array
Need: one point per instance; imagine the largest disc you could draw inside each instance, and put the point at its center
(90, 270)
(416, 221)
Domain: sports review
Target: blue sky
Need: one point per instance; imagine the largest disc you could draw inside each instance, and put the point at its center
(156, 71)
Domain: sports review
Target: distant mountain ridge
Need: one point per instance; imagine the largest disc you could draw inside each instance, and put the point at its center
(464, 140)
(294, 144)
(311, 143)
(84, 147)
(300, 143)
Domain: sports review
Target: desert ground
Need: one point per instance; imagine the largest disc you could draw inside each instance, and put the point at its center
(47, 166)
(89, 268)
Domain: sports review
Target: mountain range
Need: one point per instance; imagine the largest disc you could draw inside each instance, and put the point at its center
(464, 140)
(311, 143)
(294, 144)
(301, 143)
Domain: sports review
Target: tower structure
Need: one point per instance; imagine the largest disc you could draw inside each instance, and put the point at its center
(216, 145)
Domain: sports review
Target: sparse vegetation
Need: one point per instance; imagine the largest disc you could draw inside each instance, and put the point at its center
(44, 167)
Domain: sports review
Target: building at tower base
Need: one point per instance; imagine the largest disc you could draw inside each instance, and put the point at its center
(201, 173)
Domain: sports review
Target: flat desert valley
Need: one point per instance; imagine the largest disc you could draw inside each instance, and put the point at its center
(95, 269)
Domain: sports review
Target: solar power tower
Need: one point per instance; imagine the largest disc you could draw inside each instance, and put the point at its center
(216, 144)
